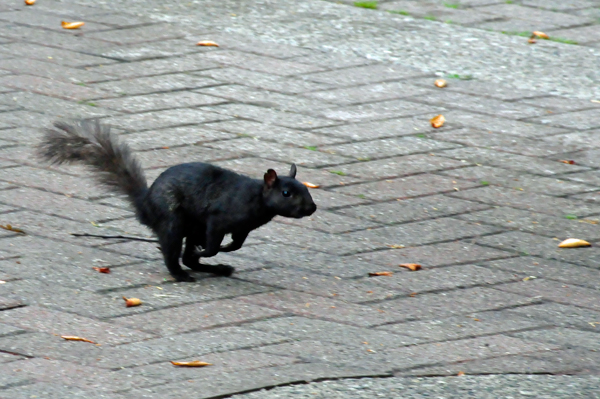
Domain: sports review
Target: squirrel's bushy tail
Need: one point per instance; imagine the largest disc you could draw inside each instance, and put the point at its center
(92, 144)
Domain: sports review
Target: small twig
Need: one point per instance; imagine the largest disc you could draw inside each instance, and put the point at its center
(119, 236)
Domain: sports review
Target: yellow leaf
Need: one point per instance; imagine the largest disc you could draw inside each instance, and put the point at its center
(72, 25)
(574, 243)
(374, 274)
(74, 338)
(537, 33)
(310, 185)
(411, 266)
(30, 2)
(437, 121)
(10, 228)
(194, 363)
(207, 43)
(440, 83)
(132, 302)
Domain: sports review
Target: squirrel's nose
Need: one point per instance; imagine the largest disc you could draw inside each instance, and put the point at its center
(312, 208)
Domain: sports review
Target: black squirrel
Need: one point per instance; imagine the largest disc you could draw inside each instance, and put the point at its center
(198, 201)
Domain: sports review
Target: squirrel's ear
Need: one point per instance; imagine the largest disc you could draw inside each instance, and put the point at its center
(293, 171)
(270, 177)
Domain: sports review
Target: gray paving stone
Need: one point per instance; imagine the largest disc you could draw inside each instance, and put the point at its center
(410, 210)
(150, 102)
(261, 64)
(56, 391)
(537, 18)
(438, 12)
(51, 70)
(54, 55)
(421, 233)
(166, 157)
(150, 84)
(6, 329)
(560, 104)
(585, 158)
(564, 337)
(374, 111)
(244, 380)
(433, 255)
(261, 80)
(288, 154)
(67, 91)
(270, 116)
(56, 107)
(483, 88)
(222, 363)
(510, 161)
(279, 134)
(366, 150)
(406, 187)
(570, 120)
(330, 222)
(353, 291)
(545, 247)
(532, 201)
(173, 65)
(464, 326)
(513, 144)
(163, 119)
(249, 95)
(590, 177)
(548, 269)
(174, 137)
(560, 362)
(299, 328)
(517, 181)
(458, 302)
(449, 99)
(557, 292)
(38, 18)
(556, 5)
(367, 93)
(364, 74)
(313, 306)
(501, 125)
(560, 315)
(536, 223)
(393, 167)
(379, 129)
(138, 34)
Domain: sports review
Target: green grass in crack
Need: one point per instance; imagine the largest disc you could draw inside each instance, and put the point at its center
(451, 5)
(457, 76)
(366, 4)
(337, 172)
(430, 18)
(570, 217)
(310, 147)
(401, 12)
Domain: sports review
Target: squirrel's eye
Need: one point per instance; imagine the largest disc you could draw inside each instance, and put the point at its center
(286, 193)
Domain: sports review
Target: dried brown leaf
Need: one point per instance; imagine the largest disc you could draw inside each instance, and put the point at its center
(437, 121)
(411, 266)
(574, 243)
(102, 269)
(194, 363)
(567, 161)
(440, 83)
(72, 25)
(460, 374)
(30, 2)
(129, 302)
(374, 274)
(74, 338)
(207, 43)
(310, 185)
(396, 246)
(537, 33)
(9, 227)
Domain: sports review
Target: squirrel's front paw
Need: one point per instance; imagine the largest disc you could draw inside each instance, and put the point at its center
(184, 277)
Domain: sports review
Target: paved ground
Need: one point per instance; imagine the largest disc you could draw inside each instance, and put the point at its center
(347, 94)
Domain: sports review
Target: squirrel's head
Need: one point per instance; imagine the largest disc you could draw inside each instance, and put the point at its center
(286, 196)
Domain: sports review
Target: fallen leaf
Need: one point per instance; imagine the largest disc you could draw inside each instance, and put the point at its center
(590, 221)
(194, 363)
(396, 246)
(574, 243)
(437, 121)
(207, 43)
(102, 269)
(531, 40)
(567, 161)
(9, 227)
(74, 338)
(460, 374)
(310, 185)
(374, 274)
(412, 294)
(132, 302)
(537, 33)
(411, 266)
(30, 2)
(72, 25)
(440, 83)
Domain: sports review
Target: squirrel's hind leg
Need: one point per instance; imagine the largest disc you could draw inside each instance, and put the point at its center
(170, 241)
(192, 260)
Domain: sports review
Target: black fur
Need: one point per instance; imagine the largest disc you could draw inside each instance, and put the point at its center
(196, 201)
